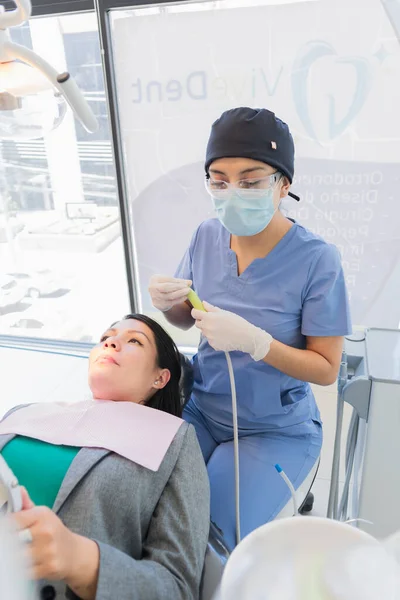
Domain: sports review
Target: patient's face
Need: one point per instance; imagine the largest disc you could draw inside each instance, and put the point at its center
(123, 366)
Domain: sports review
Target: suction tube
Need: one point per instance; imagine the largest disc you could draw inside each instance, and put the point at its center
(235, 444)
(197, 303)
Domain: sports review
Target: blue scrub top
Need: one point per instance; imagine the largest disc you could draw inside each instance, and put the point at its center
(297, 290)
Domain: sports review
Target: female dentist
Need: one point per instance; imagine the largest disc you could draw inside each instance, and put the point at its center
(276, 299)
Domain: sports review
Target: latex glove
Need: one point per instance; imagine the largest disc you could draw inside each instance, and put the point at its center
(167, 292)
(227, 332)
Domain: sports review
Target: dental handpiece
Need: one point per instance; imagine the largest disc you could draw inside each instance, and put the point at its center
(195, 301)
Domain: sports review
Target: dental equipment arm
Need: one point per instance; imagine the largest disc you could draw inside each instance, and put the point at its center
(10, 491)
(15, 17)
(14, 584)
(63, 82)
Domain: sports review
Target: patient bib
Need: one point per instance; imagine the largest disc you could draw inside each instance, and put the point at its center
(136, 432)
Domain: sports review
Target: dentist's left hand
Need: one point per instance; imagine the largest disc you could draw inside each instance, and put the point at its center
(226, 332)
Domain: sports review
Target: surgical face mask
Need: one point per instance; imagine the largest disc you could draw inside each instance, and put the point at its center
(243, 212)
(245, 216)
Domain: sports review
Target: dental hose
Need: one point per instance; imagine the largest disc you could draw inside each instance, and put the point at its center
(196, 303)
(235, 444)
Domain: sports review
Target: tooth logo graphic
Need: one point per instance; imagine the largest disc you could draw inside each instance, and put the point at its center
(308, 56)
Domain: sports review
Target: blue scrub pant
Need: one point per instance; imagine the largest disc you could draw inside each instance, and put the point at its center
(263, 493)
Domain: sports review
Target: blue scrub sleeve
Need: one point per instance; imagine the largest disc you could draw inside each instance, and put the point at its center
(184, 270)
(326, 310)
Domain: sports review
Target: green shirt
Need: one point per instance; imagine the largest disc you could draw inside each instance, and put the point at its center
(40, 467)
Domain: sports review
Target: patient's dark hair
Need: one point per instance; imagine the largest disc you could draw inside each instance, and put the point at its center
(169, 397)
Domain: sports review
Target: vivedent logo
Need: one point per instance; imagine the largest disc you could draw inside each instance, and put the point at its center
(256, 86)
(199, 85)
(302, 68)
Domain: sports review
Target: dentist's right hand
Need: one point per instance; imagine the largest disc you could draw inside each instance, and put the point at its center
(167, 292)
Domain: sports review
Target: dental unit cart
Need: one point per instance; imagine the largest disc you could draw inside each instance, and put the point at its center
(371, 385)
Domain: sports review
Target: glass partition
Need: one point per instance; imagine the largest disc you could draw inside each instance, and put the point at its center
(62, 267)
(330, 68)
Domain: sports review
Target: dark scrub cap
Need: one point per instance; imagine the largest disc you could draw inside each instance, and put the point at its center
(252, 133)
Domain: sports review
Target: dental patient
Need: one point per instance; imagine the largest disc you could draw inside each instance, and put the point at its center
(116, 495)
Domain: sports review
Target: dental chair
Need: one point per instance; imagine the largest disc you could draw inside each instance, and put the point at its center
(217, 553)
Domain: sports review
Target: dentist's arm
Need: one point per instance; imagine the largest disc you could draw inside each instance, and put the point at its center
(180, 316)
(318, 363)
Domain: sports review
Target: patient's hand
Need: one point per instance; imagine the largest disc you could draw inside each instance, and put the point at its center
(50, 553)
(55, 552)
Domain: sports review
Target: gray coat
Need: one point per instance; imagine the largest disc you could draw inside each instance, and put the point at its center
(151, 528)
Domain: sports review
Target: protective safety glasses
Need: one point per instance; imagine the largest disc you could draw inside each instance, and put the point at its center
(243, 188)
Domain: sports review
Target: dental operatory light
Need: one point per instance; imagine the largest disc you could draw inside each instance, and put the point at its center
(33, 95)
